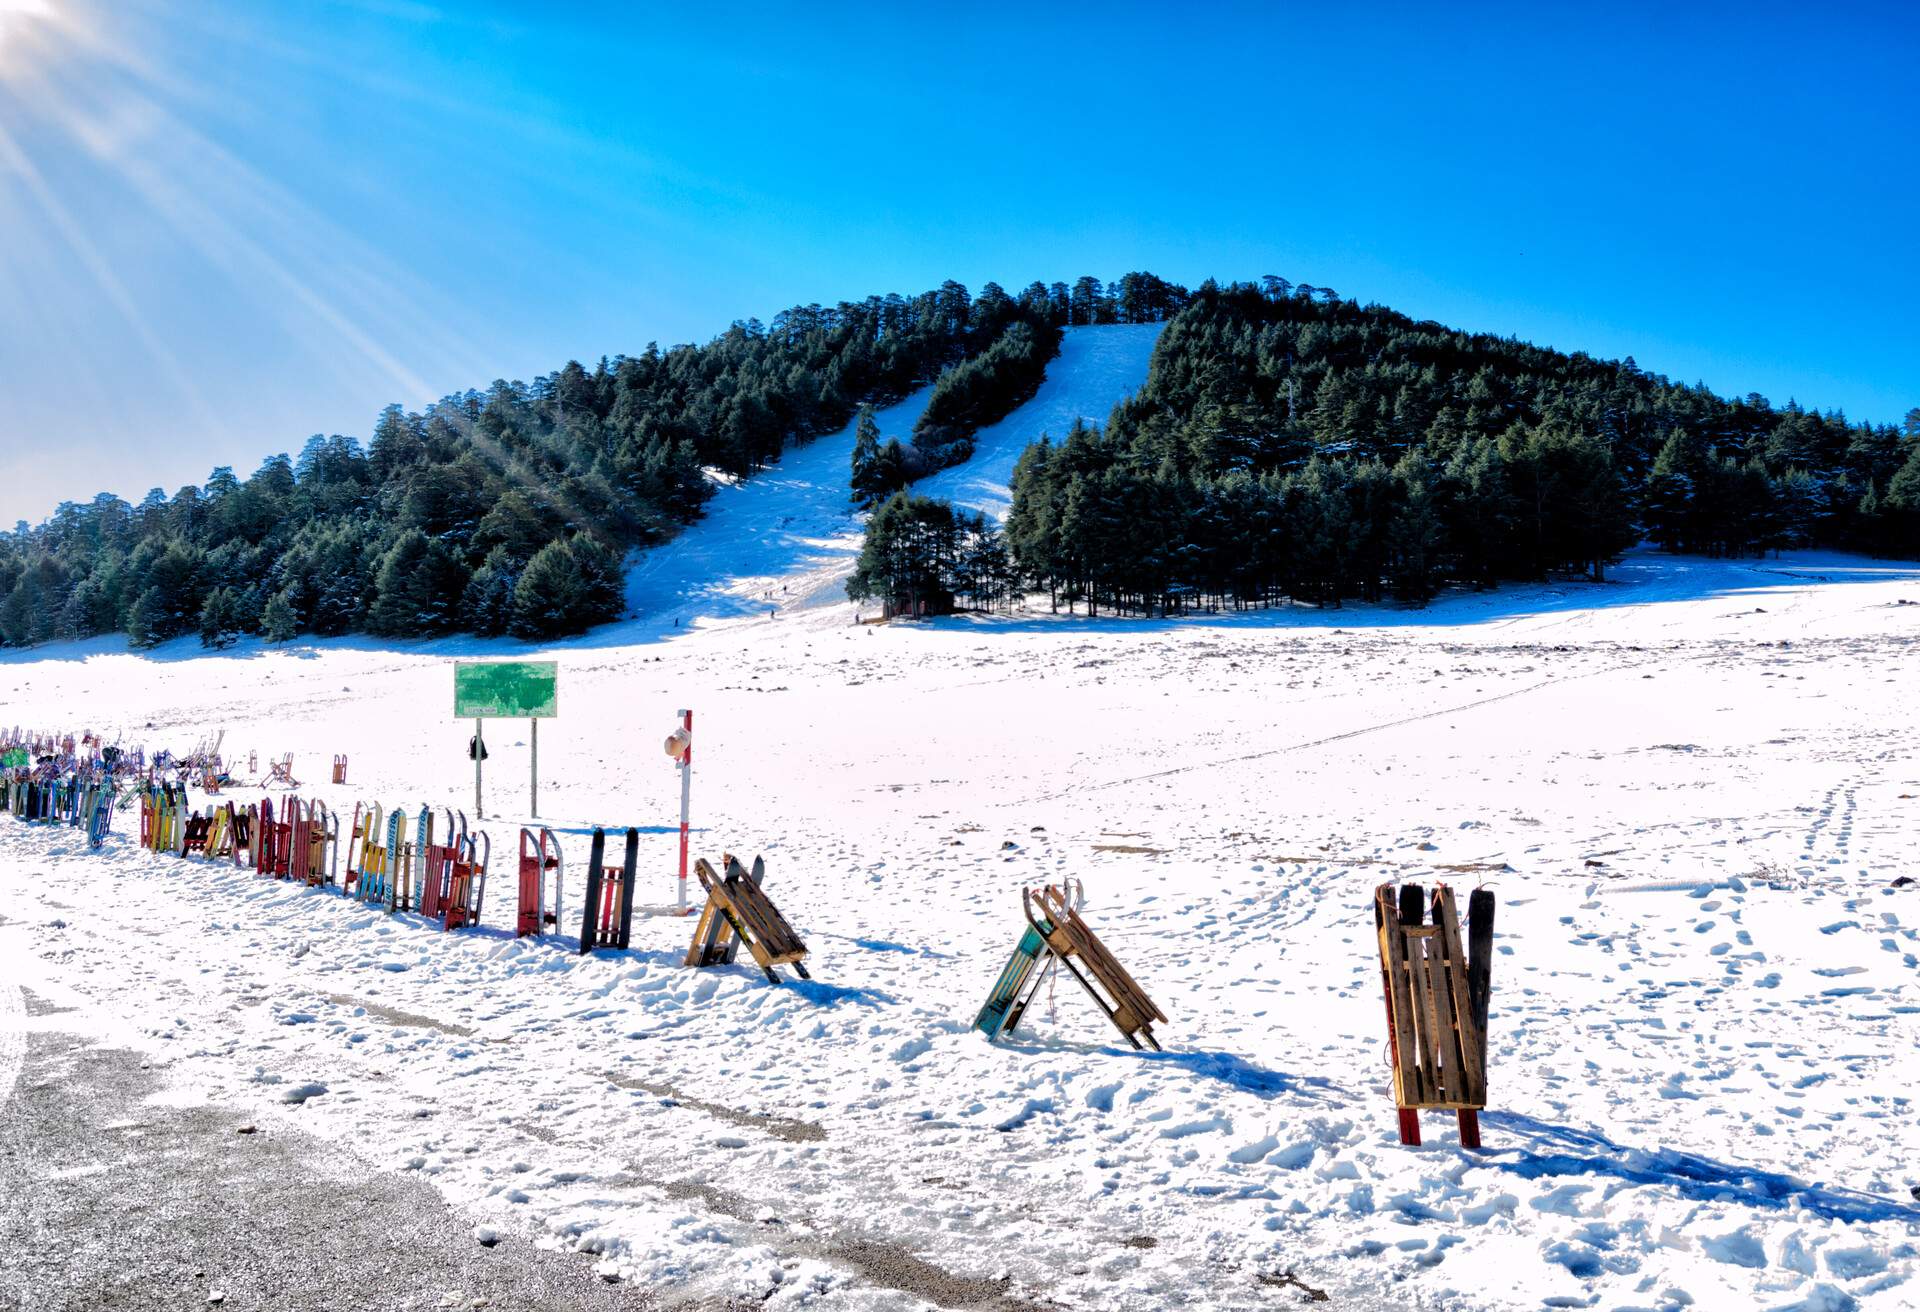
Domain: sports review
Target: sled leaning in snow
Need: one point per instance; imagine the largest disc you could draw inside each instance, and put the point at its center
(466, 880)
(1011, 994)
(1057, 936)
(714, 942)
(607, 921)
(438, 861)
(737, 912)
(242, 826)
(100, 817)
(538, 854)
(1437, 996)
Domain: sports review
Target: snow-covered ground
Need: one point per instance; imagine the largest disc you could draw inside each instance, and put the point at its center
(1692, 790)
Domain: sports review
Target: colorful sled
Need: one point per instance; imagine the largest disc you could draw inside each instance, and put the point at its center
(537, 856)
(466, 881)
(1011, 994)
(1053, 916)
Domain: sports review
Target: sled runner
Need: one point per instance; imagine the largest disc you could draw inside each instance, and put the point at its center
(737, 911)
(1437, 995)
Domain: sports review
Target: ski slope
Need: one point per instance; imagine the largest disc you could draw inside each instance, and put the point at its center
(1097, 369)
(786, 538)
(1692, 791)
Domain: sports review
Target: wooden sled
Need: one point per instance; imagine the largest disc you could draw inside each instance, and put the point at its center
(738, 912)
(1437, 995)
(714, 942)
(539, 853)
(1077, 948)
(607, 921)
(466, 881)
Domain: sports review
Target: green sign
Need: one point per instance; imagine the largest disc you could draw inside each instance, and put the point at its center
(16, 758)
(506, 690)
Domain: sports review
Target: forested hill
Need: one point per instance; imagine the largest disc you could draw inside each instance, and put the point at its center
(1291, 443)
(510, 510)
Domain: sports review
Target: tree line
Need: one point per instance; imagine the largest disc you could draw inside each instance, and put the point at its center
(1289, 443)
(511, 510)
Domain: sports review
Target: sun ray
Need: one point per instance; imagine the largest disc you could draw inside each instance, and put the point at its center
(75, 236)
(84, 91)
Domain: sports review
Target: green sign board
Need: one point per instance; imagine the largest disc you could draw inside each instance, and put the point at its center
(506, 690)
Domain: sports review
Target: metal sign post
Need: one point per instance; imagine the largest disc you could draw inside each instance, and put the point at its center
(479, 754)
(534, 808)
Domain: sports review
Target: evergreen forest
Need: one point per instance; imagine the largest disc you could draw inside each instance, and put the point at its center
(512, 510)
(1292, 445)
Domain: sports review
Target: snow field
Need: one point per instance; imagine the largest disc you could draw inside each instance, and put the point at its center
(1691, 797)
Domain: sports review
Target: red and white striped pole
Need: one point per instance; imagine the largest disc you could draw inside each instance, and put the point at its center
(686, 796)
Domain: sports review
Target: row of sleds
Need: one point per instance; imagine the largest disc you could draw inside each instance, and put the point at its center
(430, 864)
(1436, 980)
(83, 799)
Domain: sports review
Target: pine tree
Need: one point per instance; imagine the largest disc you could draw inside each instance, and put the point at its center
(602, 580)
(146, 620)
(279, 622)
(217, 624)
(866, 458)
(486, 607)
(550, 597)
(1669, 500)
(1415, 536)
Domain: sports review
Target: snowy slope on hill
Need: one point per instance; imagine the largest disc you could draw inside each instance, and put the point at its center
(764, 538)
(1097, 369)
(787, 537)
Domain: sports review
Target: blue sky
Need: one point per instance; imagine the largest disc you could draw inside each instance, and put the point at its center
(225, 226)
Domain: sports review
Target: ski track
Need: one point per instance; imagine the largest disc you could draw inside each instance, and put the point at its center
(1690, 789)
